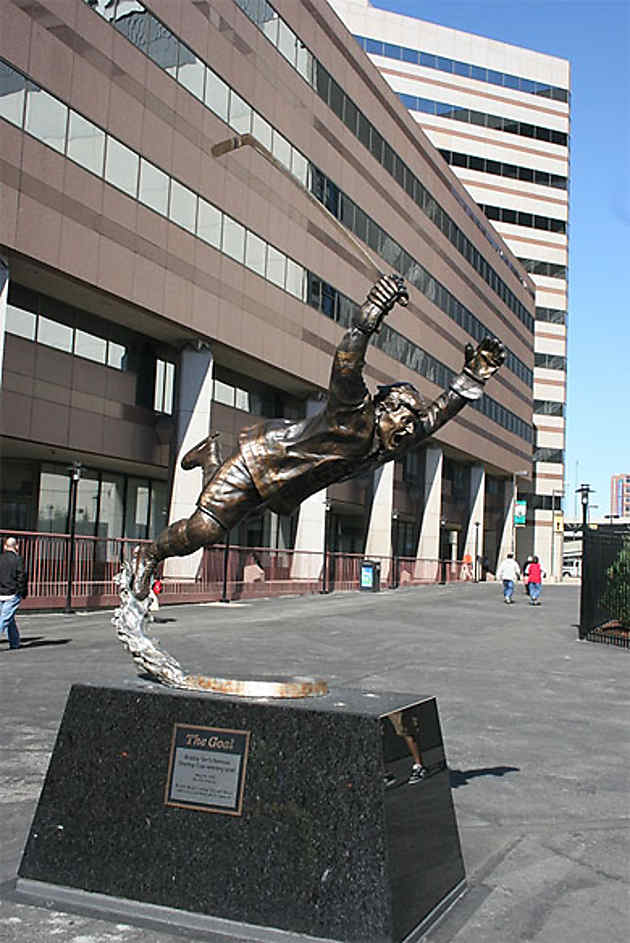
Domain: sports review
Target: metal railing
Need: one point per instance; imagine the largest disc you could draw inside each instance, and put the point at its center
(227, 574)
(605, 592)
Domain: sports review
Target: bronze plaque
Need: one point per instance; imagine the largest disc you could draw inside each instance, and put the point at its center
(206, 769)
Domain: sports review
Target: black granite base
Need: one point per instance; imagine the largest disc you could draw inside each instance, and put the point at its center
(296, 815)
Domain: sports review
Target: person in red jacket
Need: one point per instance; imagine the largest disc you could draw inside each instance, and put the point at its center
(534, 581)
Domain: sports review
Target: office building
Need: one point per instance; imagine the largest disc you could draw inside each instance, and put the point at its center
(620, 495)
(156, 286)
(499, 115)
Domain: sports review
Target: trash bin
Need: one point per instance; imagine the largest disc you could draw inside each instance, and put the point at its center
(370, 576)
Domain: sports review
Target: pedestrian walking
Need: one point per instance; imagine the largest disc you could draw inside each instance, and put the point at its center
(535, 581)
(13, 583)
(526, 574)
(509, 571)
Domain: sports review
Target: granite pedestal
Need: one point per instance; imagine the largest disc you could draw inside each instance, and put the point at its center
(240, 816)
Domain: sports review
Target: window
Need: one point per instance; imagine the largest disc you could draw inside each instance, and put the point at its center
(153, 191)
(121, 167)
(295, 279)
(54, 334)
(240, 114)
(191, 71)
(46, 117)
(21, 323)
(552, 315)
(255, 253)
(89, 346)
(217, 95)
(548, 407)
(223, 393)
(86, 143)
(183, 207)
(209, 223)
(233, 239)
(276, 266)
(12, 85)
(262, 130)
(116, 355)
(287, 42)
(281, 149)
(164, 386)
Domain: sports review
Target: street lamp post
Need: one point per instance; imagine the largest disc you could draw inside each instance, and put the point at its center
(395, 550)
(584, 491)
(226, 560)
(476, 570)
(75, 477)
(325, 581)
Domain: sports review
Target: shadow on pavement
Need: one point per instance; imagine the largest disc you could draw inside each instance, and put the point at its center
(40, 642)
(460, 777)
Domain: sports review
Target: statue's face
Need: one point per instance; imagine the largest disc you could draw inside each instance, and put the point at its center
(395, 423)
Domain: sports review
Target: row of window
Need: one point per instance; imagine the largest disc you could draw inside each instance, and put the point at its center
(502, 169)
(551, 315)
(210, 224)
(53, 123)
(544, 502)
(548, 407)
(549, 455)
(465, 69)
(550, 361)
(504, 215)
(549, 269)
(338, 307)
(264, 401)
(45, 330)
(344, 209)
(496, 122)
(144, 31)
(42, 329)
(260, 13)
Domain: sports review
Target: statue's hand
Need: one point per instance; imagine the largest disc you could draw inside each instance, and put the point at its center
(483, 361)
(388, 290)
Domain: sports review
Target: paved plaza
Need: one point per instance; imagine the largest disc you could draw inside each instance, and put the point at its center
(535, 725)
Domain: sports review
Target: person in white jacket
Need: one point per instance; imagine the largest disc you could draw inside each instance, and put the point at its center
(509, 571)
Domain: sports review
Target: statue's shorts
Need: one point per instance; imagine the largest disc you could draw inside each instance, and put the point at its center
(231, 494)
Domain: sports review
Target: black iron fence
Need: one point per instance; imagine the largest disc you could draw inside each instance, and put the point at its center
(605, 597)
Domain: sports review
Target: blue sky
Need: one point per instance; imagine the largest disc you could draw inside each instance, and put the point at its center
(595, 37)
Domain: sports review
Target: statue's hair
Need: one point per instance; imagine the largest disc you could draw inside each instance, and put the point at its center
(404, 394)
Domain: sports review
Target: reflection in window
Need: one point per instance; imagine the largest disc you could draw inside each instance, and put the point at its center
(191, 72)
(240, 114)
(223, 393)
(116, 354)
(12, 86)
(241, 400)
(54, 334)
(46, 117)
(233, 239)
(86, 143)
(153, 191)
(110, 514)
(287, 42)
(137, 517)
(217, 95)
(159, 508)
(183, 206)
(261, 130)
(164, 386)
(53, 500)
(281, 149)
(121, 167)
(255, 253)
(209, 223)
(295, 279)
(22, 323)
(87, 504)
(276, 266)
(89, 346)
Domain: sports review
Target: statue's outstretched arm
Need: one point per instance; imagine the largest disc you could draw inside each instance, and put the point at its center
(481, 363)
(346, 379)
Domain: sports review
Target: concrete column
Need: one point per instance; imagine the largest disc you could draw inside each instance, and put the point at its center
(379, 534)
(507, 536)
(429, 541)
(311, 526)
(477, 507)
(4, 294)
(192, 423)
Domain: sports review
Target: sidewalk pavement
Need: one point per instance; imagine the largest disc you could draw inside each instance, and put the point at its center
(535, 725)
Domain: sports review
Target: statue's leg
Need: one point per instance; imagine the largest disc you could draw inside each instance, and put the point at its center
(223, 503)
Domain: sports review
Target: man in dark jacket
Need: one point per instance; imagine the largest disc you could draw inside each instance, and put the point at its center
(13, 582)
(279, 463)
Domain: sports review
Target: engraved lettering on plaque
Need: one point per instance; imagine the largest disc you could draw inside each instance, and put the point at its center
(206, 769)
